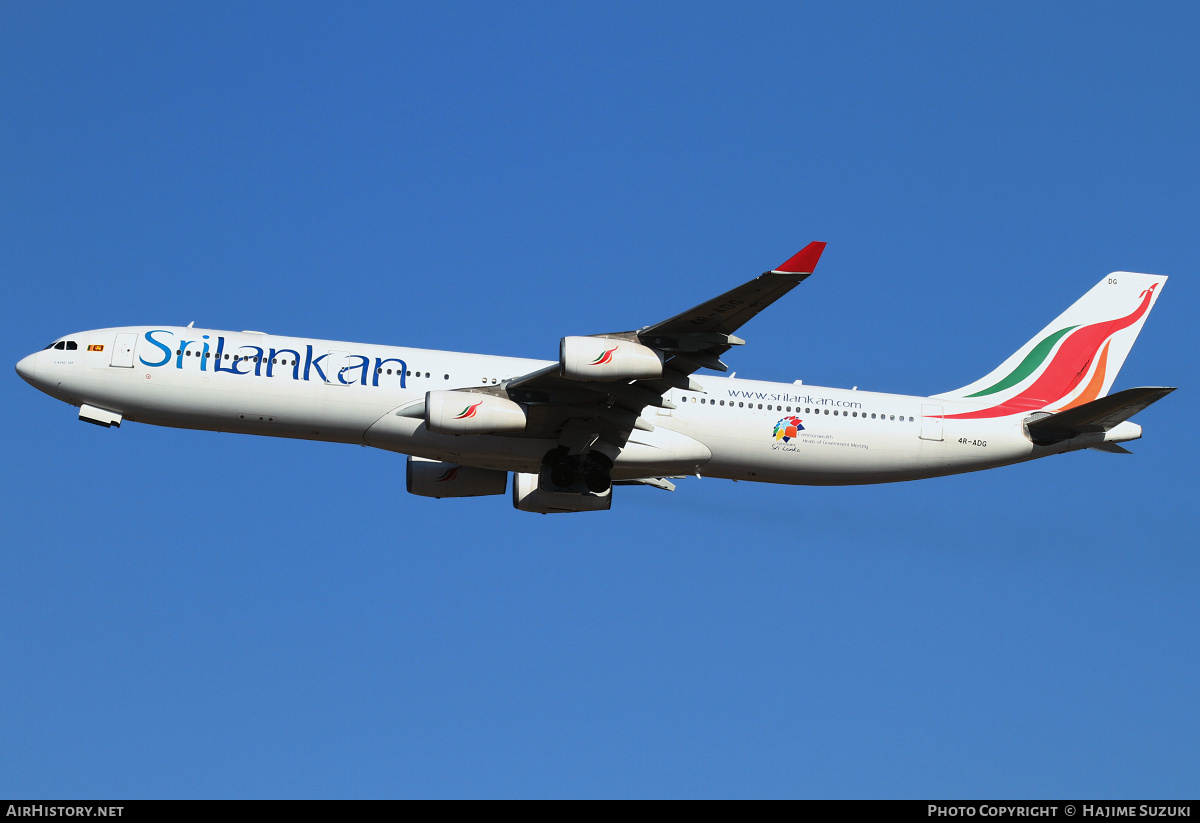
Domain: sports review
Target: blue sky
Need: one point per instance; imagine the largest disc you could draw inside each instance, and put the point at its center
(196, 614)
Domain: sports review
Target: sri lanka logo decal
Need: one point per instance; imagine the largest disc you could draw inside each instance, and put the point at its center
(468, 412)
(449, 476)
(604, 358)
(787, 428)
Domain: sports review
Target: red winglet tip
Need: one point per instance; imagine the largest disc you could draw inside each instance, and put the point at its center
(803, 261)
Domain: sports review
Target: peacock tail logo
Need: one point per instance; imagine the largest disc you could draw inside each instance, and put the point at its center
(787, 428)
(604, 358)
(449, 475)
(468, 412)
(1061, 374)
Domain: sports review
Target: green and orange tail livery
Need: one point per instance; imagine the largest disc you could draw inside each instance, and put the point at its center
(1072, 361)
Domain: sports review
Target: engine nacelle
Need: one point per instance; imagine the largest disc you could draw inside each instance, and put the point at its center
(434, 478)
(529, 498)
(463, 412)
(599, 358)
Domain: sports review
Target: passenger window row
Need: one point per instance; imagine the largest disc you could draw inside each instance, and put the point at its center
(207, 355)
(408, 373)
(797, 410)
(278, 361)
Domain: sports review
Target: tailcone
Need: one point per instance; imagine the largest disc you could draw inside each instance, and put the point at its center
(1123, 432)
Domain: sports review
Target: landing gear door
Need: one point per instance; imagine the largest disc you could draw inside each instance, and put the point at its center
(931, 422)
(336, 363)
(122, 356)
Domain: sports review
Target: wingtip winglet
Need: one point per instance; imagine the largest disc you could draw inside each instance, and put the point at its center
(803, 261)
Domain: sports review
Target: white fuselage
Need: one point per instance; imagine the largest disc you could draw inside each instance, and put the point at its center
(255, 383)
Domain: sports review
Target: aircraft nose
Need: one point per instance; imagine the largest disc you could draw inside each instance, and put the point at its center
(26, 368)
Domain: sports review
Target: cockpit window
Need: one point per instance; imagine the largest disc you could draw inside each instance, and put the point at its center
(72, 346)
(60, 345)
(49, 347)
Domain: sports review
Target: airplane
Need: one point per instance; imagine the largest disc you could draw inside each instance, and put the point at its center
(624, 408)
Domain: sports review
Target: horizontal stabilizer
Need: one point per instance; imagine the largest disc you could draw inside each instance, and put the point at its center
(1115, 448)
(657, 482)
(1099, 415)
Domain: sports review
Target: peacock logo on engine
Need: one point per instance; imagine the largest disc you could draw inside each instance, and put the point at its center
(604, 358)
(468, 412)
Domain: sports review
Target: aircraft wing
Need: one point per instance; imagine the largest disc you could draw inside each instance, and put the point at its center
(689, 341)
(729, 312)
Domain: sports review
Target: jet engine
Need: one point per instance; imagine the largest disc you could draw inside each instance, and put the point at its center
(601, 358)
(529, 498)
(435, 478)
(462, 412)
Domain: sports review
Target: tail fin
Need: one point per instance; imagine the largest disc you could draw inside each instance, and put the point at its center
(1075, 359)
